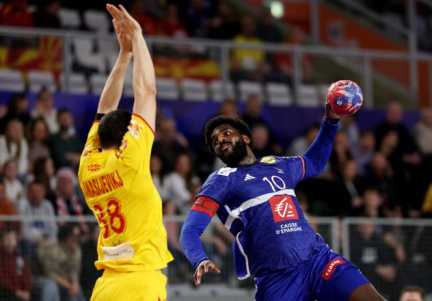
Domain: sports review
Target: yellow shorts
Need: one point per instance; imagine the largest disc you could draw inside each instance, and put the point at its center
(139, 286)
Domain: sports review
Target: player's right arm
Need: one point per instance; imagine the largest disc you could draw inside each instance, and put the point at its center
(144, 80)
(113, 88)
(196, 222)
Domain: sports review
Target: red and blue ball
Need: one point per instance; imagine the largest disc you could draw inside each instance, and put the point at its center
(345, 97)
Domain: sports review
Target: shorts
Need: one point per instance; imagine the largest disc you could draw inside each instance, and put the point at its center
(327, 276)
(142, 286)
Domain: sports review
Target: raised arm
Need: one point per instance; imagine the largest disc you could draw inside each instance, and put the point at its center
(318, 154)
(113, 88)
(144, 80)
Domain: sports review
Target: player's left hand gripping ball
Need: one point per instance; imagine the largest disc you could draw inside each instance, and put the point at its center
(345, 97)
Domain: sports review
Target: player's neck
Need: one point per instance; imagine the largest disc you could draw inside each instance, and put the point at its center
(249, 159)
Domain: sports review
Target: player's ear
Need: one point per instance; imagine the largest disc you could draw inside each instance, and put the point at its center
(246, 139)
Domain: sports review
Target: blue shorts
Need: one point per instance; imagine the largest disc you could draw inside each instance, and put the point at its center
(327, 276)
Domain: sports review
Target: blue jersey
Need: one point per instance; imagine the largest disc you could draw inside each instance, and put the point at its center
(258, 205)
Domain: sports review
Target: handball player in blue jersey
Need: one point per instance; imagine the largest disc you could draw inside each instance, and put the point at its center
(255, 200)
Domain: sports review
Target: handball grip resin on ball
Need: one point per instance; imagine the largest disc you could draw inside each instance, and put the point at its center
(345, 97)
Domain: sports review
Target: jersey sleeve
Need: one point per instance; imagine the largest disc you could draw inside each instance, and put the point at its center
(296, 168)
(93, 143)
(135, 149)
(215, 188)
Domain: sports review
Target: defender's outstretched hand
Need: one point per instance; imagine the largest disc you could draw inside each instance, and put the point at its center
(203, 268)
(126, 23)
(123, 39)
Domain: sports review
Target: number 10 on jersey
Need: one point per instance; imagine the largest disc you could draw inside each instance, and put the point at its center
(110, 219)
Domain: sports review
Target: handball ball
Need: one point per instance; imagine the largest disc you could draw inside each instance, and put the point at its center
(345, 97)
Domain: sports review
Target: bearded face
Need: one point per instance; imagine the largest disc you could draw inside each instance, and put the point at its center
(233, 152)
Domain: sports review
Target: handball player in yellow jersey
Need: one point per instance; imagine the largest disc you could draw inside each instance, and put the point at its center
(114, 175)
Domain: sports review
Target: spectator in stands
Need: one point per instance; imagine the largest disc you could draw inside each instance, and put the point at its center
(261, 141)
(348, 190)
(15, 281)
(66, 200)
(349, 126)
(170, 25)
(197, 17)
(169, 143)
(44, 108)
(139, 12)
(17, 109)
(44, 172)
(253, 117)
(340, 155)
(65, 146)
(301, 144)
(224, 25)
(7, 208)
(179, 183)
(267, 30)
(157, 172)
(47, 14)
(380, 175)
(38, 136)
(229, 108)
(412, 293)
(423, 138)
(42, 224)
(375, 258)
(283, 63)
(89, 274)
(14, 146)
(393, 122)
(14, 188)
(61, 262)
(363, 150)
(247, 64)
(16, 13)
(371, 205)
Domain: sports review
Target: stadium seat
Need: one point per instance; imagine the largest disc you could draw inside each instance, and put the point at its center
(69, 18)
(194, 90)
(247, 89)
(97, 82)
(83, 45)
(219, 93)
(11, 80)
(278, 94)
(308, 96)
(38, 79)
(77, 83)
(96, 20)
(167, 89)
(92, 60)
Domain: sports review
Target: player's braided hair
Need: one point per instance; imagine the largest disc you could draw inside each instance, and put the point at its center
(236, 123)
(113, 127)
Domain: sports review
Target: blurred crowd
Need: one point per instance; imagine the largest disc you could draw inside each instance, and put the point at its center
(210, 19)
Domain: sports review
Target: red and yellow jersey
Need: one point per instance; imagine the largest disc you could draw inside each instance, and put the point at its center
(118, 188)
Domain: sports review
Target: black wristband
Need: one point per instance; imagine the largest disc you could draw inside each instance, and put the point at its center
(99, 116)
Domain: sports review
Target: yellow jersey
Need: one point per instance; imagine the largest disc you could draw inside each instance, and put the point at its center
(118, 188)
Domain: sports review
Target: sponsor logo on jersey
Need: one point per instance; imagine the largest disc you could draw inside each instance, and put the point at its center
(134, 128)
(249, 177)
(225, 171)
(268, 160)
(283, 208)
(93, 167)
(331, 267)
